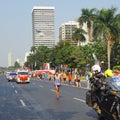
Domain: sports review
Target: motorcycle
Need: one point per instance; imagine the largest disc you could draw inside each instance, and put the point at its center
(104, 98)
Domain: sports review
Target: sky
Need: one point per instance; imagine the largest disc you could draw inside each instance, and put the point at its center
(16, 21)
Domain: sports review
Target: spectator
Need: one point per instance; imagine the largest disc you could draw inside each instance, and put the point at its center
(64, 76)
(88, 76)
(79, 82)
(69, 78)
(76, 79)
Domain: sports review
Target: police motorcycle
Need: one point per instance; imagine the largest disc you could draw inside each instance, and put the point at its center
(104, 97)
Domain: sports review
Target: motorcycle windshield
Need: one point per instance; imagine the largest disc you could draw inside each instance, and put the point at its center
(116, 82)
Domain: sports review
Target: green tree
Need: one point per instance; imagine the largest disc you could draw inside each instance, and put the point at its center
(115, 55)
(78, 58)
(17, 65)
(88, 17)
(30, 61)
(88, 51)
(106, 25)
(33, 49)
(42, 55)
(63, 52)
(78, 35)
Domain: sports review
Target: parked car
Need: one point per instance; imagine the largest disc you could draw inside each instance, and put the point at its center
(11, 76)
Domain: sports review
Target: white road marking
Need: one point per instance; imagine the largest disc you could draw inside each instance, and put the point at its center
(22, 102)
(52, 90)
(41, 86)
(16, 91)
(79, 99)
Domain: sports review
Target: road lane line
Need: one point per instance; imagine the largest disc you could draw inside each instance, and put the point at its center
(16, 91)
(41, 86)
(79, 99)
(22, 102)
(52, 90)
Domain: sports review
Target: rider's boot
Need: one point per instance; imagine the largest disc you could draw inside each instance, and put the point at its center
(97, 108)
(95, 105)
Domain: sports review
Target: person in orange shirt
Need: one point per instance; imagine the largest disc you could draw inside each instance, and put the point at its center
(69, 78)
(64, 77)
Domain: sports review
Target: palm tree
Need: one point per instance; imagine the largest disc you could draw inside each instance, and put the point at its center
(87, 17)
(78, 35)
(107, 27)
(33, 49)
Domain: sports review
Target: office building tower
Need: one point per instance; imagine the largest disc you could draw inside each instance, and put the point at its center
(26, 56)
(66, 31)
(43, 27)
(10, 59)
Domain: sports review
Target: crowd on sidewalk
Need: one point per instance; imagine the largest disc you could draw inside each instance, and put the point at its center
(68, 77)
(71, 78)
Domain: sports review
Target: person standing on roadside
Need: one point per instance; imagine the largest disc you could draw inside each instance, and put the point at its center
(76, 80)
(69, 78)
(88, 76)
(57, 84)
(79, 82)
(64, 76)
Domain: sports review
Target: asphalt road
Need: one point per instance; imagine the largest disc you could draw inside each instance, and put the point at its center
(36, 101)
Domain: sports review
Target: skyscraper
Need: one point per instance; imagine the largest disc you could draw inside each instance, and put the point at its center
(10, 59)
(66, 31)
(43, 26)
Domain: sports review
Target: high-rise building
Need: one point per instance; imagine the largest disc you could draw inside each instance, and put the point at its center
(66, 31)
(43, 26)
(10, 59)
(26, 56)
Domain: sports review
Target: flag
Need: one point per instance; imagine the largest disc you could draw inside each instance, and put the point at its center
(38, 31)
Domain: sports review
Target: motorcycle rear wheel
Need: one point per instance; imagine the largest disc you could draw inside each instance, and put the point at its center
(101, 118)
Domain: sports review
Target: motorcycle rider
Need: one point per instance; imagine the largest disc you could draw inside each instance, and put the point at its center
(104, 94)
(96, 86)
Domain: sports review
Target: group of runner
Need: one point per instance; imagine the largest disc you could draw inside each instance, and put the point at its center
(58, 77)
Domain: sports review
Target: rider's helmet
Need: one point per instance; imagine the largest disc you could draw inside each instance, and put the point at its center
(96, 68)
(108, 73)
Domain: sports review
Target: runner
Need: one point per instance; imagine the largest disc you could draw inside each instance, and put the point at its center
(57, 84)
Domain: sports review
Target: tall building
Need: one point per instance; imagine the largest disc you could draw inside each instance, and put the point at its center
(43, 26)
(66, 31)
(26, 56)
(10, 59)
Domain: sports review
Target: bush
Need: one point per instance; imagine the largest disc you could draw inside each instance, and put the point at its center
(117, 67)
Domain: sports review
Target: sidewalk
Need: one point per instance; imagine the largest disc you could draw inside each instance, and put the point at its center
(84, 84)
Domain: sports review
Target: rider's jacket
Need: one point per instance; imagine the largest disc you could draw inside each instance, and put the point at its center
(97, 79)
(97, 86)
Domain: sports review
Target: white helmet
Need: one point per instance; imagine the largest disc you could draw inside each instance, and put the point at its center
(96, 68)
